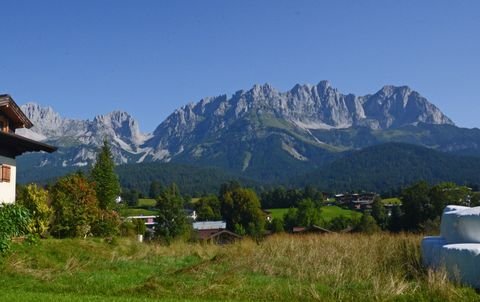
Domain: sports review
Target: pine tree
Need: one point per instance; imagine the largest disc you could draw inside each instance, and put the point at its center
(155, 189)
(103, 174)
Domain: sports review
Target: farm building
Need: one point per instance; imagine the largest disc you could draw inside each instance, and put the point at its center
(214, 231)
(13, 145)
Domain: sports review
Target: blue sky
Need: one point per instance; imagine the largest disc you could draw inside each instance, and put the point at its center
(85, 58)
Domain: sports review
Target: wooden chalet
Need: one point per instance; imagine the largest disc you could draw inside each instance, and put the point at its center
(13, 145)
(214, 231)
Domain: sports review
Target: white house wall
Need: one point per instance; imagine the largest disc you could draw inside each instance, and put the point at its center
(7, 189)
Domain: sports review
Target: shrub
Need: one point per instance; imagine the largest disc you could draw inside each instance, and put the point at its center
(14, 221)
(140, 226)
(367, 224)
(107, 224)
(35, 200)
(127, 229)
(276, 225)
(75, 207)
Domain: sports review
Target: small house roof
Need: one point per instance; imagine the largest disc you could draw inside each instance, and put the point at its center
(226, 232)
(13, 112)
(209, 225)
(313, 228)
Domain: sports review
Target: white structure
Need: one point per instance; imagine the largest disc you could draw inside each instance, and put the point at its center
(209, 225)
(8, 172)
(148, 219)
(457, 249)
(12, 145)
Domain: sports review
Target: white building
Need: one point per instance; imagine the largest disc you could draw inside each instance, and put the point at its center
(12, 145)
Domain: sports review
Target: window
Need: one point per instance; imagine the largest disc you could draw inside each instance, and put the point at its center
(3, 124)
(6, 173)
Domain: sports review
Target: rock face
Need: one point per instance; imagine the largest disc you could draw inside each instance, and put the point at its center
(79, 139)
(304, 107)
(259, 132)
(393, 107)
(457, 249)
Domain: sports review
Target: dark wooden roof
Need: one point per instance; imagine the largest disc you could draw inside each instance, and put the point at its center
(12, 145)
(13, 112)
(313, 228)
(213, 233)
(225, 232)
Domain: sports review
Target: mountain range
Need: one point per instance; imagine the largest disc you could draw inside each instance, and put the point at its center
(260, 133)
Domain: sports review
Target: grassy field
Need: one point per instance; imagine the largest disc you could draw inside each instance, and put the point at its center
(146, 202)
(328, 212)
(394, 200)
(143, 208)
(136, 212)
(282, 268)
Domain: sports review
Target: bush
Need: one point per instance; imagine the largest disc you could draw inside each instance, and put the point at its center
(127, 228)
(75, 207)
(140, 227)
(107, 224)
(341, 223)
(276, 225)
(35, 200)
(367, 224)
(14, 221)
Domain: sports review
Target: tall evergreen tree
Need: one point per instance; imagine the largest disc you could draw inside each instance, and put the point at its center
(155, 189)
(105, 178)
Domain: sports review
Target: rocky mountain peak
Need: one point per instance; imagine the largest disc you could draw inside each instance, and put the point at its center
(324, 85)
(204, 129)
(41, 116)
(395, 106)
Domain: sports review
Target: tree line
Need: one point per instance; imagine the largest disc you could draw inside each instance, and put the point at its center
(76, 205)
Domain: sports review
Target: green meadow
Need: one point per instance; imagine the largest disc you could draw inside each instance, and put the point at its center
(333, 267)
(328, 213)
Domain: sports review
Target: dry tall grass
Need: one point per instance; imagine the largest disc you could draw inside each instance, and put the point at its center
(335, 267)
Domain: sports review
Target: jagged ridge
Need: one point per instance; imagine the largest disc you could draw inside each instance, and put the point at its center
(261, 132)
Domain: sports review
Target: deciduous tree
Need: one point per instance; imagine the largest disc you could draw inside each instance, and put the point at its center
(75, 207)
(171, 219)
(241, 210)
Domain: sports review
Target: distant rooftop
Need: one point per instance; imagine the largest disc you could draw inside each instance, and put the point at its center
(209, 225)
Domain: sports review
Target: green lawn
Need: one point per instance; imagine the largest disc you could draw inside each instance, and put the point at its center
(136, 212)
(278, 213)
(328, 212)
(334, 267)
(147, 202)
(395, 201)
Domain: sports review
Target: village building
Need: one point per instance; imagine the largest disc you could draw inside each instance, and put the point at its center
(214, 231)
(13, 145)
(356, 201)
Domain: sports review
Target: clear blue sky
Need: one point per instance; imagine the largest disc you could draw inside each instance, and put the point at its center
(85, 58)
